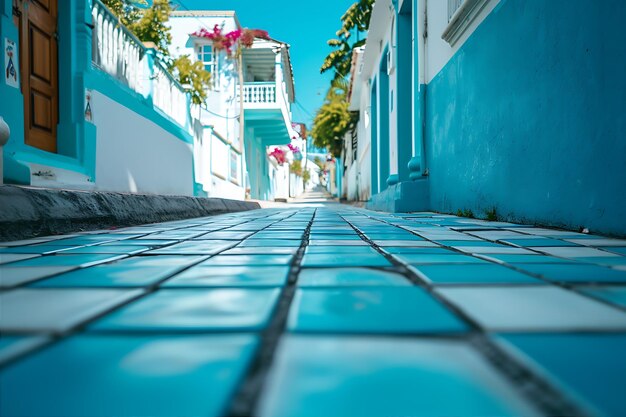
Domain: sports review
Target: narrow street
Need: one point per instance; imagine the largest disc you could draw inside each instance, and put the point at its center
(315, 309)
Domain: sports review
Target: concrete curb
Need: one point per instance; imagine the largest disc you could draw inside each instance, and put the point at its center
(27, 212)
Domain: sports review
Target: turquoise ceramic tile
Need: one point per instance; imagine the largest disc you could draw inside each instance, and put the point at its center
(541, 242)
(230, 276)
(200, 247)
(261, 250)
(249, 260)
(13, 346)
(495, 250)
(338, 260)
(577, 252)
(107, 249)
(341, 249)
(423, 251)
(76, 261)
(370, 310)
(44, 310)
(359, 376)
(11, 276)
(6, 258)
(153, 243)
(340, 277)
(183, 310)
(531, 308)
(531, 259)
(467, 243)
(405, 243)
(575, 272)
(609, 261)
(598, 241)
(279, 235)
(617, 250)
(330, 242)
(191, 375)
(162, 260)
(353, 236)
(224, 235)
(418, 258)
(610, 293)
(270, 242)
(124, 273)
(473, 274)
(33, 249)
(589, 367)
(393, 236)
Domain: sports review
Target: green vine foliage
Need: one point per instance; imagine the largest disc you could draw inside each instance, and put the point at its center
(152, 26)
(356, 18)
(333, 119)
(192, 73)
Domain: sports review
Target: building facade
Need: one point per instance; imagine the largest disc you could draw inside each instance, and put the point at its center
(91, 107)
(230, 160)
(85, 100)
(502, 107)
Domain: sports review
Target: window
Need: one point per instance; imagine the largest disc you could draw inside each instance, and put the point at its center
(206, 56)
(453, 6)
(464, 17)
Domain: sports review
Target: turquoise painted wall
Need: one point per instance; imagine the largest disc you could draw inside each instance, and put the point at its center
(529, 117)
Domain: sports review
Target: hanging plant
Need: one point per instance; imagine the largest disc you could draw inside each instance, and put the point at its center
(233, 41)
(279, 155)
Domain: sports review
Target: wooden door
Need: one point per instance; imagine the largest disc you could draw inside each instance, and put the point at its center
(39, 70)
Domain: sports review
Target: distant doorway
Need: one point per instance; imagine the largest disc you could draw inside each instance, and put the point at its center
(37, 21)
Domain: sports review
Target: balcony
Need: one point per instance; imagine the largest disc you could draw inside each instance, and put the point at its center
(268, 91)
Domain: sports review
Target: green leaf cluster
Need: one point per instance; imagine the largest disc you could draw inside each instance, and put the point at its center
(150, 25)
(333, 120)
(192, 73)
(356, 18)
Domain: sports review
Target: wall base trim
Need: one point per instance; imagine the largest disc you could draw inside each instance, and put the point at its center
(404, 197)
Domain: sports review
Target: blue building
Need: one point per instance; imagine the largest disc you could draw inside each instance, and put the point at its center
(502, 107)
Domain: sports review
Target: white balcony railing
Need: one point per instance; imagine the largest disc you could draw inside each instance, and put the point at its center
(259, 93)
(116, 51)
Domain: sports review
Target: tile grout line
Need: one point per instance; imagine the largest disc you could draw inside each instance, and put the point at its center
(535, 389)
(246, 397)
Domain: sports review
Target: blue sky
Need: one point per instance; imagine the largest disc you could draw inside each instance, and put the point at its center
(305, 25)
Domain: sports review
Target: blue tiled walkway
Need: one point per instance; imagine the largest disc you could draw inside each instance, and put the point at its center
(314, 311)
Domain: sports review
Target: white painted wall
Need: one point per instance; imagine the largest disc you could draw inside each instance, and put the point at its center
(438, 51)
(133, 154)
(221, 113)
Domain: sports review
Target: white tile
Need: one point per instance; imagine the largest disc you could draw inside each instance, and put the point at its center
(574, 252)
(13, 276)
(534, 309)
(57, 310)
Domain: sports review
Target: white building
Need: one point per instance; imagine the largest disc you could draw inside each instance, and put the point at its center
(226, 164)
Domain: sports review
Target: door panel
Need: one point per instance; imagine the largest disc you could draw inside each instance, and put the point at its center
(38, 22)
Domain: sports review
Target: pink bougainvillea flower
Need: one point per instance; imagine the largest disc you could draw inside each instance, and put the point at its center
(236, 38)
(279, 155)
